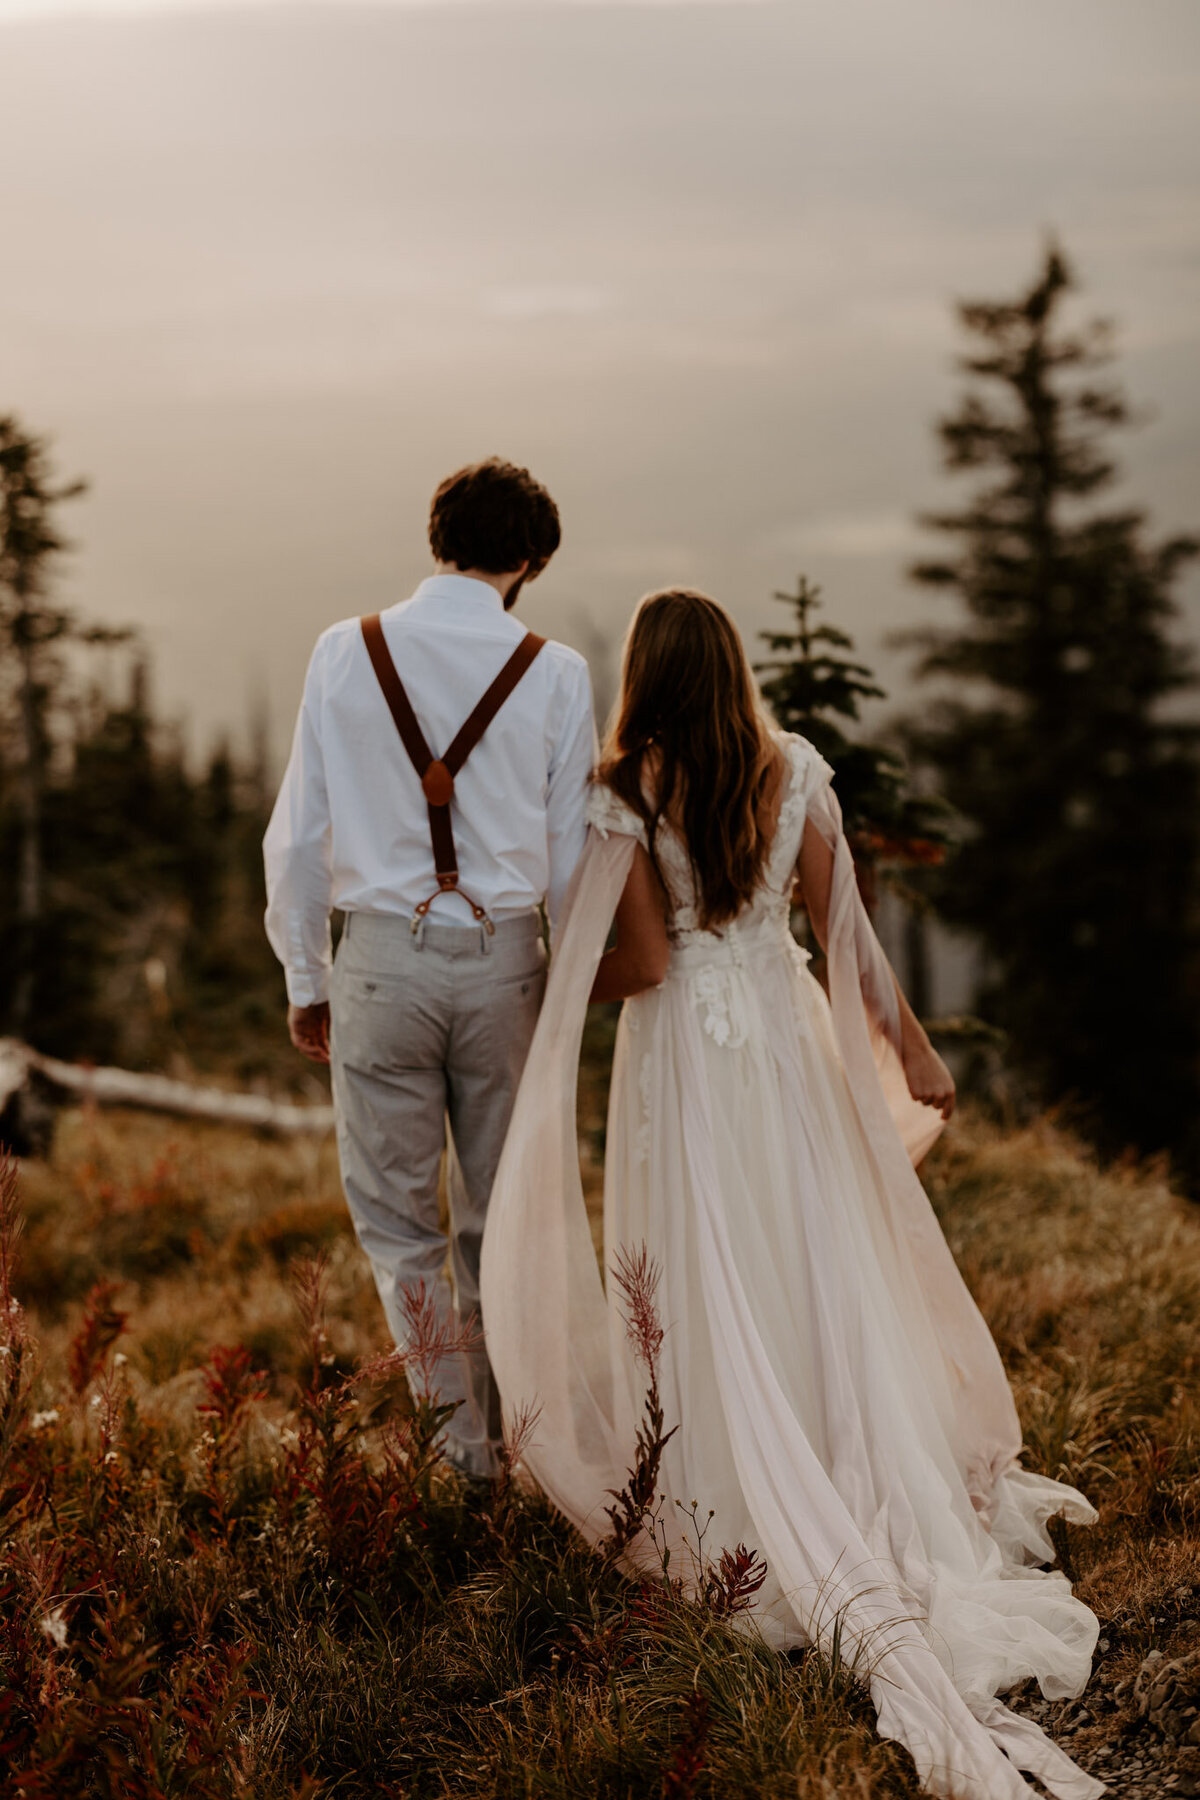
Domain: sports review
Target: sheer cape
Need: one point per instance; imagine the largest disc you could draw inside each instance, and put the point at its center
(555, 1343)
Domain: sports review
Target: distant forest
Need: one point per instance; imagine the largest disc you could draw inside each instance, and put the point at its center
(148, 948)
(130, 884)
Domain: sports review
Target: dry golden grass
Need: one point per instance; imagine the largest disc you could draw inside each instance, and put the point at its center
(198, 1223)
(526, 1668)
(1090, 1281)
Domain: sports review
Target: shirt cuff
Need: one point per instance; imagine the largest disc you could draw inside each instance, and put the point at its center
(307, 987)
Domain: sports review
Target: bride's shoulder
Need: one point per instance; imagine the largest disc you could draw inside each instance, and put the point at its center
(808, 774)
(608, 812)
(802, 757)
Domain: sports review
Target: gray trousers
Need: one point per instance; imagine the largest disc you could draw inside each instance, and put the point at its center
(426, 1032)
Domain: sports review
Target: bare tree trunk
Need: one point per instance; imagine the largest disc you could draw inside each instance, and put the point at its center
(916, 954)
(156, 1093)
(31, 790)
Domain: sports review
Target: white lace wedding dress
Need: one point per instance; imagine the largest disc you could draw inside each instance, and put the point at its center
(839, 1400)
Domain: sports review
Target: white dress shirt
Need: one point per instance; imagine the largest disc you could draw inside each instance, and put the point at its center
(350, 828)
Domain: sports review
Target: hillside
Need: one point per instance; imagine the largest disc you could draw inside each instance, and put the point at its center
(231, 1566)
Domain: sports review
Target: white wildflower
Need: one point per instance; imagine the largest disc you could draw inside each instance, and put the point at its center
(54, 1626)
(40, 1420)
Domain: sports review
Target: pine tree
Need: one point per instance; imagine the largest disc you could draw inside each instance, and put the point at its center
(1078, 795)
(31, 629)
(811, 687)
(130, 889)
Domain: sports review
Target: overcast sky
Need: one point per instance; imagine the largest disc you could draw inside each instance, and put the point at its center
(266, 274)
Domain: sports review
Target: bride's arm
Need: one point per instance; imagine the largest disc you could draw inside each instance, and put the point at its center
(929, 1080)
(639, 958)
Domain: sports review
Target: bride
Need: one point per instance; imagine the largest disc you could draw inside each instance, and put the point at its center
(838, 1398)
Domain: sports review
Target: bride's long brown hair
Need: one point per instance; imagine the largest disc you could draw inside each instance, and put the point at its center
(690, 727)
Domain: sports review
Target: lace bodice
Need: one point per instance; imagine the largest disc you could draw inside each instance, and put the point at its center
(807, 771)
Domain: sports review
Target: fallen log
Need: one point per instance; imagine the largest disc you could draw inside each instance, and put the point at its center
(20, 1065)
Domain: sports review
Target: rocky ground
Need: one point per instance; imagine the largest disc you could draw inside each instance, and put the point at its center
(1138, 1734)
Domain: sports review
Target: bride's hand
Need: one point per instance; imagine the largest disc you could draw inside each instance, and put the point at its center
(929, 1080)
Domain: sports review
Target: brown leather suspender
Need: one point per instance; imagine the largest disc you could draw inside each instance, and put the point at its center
(436, 774)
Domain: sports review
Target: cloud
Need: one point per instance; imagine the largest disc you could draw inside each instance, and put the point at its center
(643, 563)
(546, 300)
(46, 9)
(694, 264)
(879, 533)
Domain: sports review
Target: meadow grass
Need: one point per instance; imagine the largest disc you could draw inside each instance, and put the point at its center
(232, 1564)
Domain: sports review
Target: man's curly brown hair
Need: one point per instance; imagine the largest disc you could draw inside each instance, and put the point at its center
(493, 516)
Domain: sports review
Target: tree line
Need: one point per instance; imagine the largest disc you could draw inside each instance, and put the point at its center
(1046, 800)
(130, 892)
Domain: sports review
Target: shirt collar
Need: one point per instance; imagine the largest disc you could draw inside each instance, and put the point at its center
(461, 589)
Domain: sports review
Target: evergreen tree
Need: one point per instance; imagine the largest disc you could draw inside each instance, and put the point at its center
(32, 628)
(811, 688)
(1078, 795)
(152, 919)
(130, 889)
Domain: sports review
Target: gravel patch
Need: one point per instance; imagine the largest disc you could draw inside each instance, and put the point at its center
(1140, 1733)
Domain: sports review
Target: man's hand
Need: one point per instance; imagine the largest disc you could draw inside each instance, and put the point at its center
(308, 1028)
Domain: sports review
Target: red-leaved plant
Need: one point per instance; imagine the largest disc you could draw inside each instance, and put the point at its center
(637, 1276)
(731, 1584)
(99, 1330)
(690, 1756)
(16, 1350)
(366, 1505)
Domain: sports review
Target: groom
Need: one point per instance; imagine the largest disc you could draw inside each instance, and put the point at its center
(435, 795)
